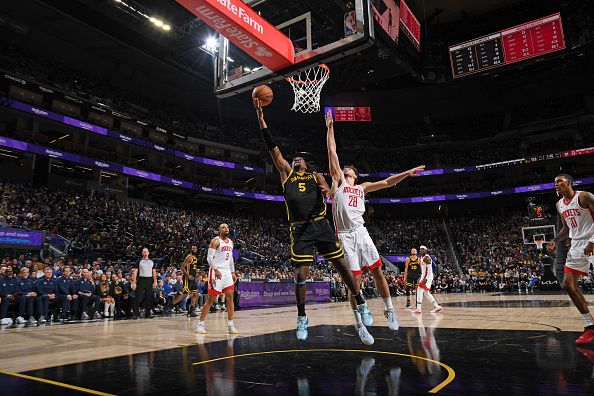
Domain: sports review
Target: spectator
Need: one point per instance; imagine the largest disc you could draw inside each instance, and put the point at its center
(106, 293)
(8, 291)
(47, 294)
(26, 296)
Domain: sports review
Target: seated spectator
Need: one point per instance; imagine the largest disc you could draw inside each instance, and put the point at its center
(87, 296)
(169, 293)
(26, 296)
(8, 291)
(47, 294)
(106, 293)
(66, 295)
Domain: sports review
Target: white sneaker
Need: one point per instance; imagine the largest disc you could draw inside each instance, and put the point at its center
(392, 320)
(417, 311)
(42, 319)
(436, 309)
(6, 322)
(200, 328)
(21, 320)
(364, 335)
(85, 316)
(231, 329)
(32, 320)
(97, 315)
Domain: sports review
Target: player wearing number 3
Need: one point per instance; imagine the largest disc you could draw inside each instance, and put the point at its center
(577, 211)
(221, 277)
(348, 209)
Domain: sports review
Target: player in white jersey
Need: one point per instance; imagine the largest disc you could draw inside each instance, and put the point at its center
(425, 281)
(348, 209)
(577, 211)
(221, 277)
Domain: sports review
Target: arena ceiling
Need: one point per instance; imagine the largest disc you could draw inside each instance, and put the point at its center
(107, 29)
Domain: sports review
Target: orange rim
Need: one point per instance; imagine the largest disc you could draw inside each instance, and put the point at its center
(322, 65)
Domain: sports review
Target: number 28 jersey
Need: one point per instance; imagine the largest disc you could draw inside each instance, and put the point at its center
(348, 207)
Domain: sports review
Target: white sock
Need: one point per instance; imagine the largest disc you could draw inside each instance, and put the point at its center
(388, 304)
(588, 319)
(358, 320)
(201, 323)
(431, 299)
(420, 297)
(229, 323)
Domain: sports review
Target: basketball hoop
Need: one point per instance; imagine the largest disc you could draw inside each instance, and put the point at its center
(307, 86)
(539, 240)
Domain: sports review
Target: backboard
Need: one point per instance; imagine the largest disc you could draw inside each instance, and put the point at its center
(529, 233)
(320, 30)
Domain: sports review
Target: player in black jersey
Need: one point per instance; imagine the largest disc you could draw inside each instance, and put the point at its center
(190, 270)
(412, 273)
(304, 192)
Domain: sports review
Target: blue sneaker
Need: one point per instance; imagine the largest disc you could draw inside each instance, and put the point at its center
(365, 315)
(302, 322)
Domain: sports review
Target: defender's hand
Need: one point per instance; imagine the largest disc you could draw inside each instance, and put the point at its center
(415, 171)
(329, 120)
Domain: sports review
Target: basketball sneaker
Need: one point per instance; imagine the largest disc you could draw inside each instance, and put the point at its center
(417, 311)
(231, 329)
(6, 322)
(408, 306)
(200, 329)
(21, 320)
(392, 320)
(436, 309)
(365, 315)
(587, 336)
(302, 323)
(364, 335)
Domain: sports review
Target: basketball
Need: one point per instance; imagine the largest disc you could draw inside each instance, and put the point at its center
(264, 93)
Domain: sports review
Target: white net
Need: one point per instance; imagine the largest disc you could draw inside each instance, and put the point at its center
(307, 86)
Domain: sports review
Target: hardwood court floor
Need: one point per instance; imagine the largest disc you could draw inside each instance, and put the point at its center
(481, 343)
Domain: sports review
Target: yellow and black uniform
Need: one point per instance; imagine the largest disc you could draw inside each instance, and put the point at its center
(306, 211)
(414, 271)
(191, 286)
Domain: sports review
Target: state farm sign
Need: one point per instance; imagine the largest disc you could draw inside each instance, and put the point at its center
(246, 29)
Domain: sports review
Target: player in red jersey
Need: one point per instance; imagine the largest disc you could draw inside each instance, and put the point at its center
(577, 213)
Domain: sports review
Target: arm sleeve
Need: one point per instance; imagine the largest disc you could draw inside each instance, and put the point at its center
(267, 137)
(210, 257)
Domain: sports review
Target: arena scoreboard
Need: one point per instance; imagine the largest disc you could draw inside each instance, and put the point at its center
(508, 46)
(349, 113)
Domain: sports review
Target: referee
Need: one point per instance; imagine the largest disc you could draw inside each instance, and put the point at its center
(144, 280)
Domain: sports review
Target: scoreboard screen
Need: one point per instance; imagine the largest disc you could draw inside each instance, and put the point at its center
(508, 46)
(349, 113)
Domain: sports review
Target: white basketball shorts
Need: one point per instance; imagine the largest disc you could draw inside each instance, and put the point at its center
(359, 250)
(577, 262)
(218, 286)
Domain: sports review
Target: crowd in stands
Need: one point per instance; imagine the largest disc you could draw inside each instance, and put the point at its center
(107, 235)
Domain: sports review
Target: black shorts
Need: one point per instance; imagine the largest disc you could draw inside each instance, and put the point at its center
(317, 233)
(412, 282)
(190, 286)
